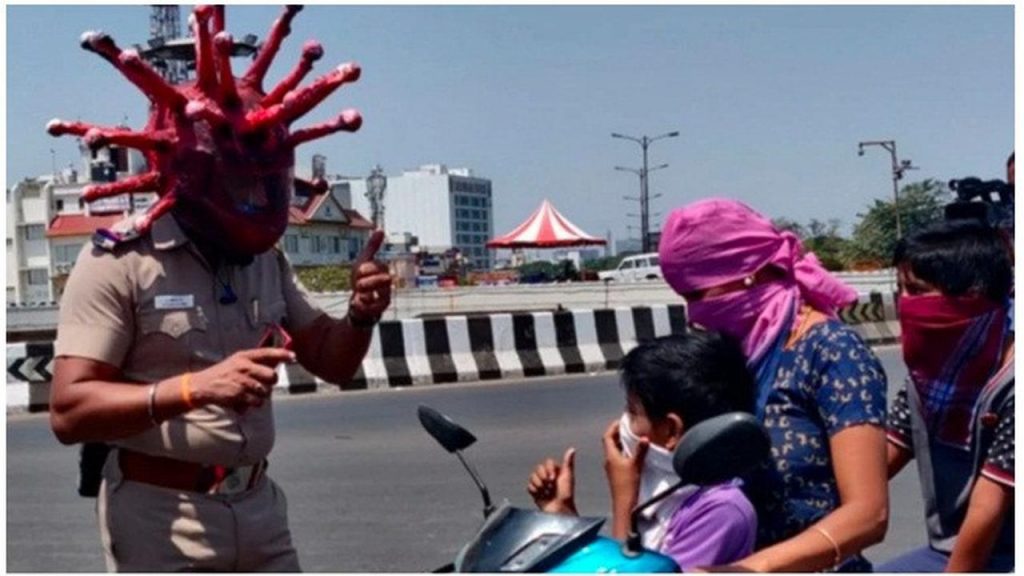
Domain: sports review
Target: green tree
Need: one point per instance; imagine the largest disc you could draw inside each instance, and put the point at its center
(828, 245)
(334, 278)
(820, 237)
(538, 271)
(606, 263)
(874, 235)
(785, 224)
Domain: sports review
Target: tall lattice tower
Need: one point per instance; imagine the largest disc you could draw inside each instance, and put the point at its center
(164, 28)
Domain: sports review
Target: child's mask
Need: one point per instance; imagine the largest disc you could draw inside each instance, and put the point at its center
(657, 475)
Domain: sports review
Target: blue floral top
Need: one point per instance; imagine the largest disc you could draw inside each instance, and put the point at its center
(828, 381)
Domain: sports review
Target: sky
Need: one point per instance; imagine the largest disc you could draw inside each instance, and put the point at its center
(770, 101)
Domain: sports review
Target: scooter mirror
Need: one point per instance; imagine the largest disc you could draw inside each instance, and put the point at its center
(720, 449)
(448, 434)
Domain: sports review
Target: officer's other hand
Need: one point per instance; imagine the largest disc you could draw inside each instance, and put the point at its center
(242, 380)
(371, 282)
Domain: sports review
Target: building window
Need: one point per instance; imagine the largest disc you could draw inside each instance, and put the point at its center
(336, 245)
(291, 243)
(59, 204)
(37, 277)
(34, 232)
(66, 254)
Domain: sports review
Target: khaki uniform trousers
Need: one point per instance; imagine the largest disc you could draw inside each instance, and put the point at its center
(146, 528)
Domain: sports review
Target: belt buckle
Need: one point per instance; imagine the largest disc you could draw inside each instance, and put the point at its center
(238, 480)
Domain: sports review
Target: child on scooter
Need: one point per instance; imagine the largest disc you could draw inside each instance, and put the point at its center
(671, 384)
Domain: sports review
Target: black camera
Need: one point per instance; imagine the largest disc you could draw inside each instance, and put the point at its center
(990, 201)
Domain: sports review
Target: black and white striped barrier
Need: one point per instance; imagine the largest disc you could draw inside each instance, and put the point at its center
(470, 348)
(29, 371)
(874, 317)
(495, 346)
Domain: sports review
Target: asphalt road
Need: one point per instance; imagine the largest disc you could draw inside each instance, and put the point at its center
(368, 490)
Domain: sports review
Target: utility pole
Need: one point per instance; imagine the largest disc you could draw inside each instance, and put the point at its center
(644, 173)
(898, 168)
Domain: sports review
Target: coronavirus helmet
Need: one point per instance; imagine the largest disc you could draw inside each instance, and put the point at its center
(219, 149)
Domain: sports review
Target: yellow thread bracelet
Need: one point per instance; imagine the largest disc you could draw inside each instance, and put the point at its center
(186, 389)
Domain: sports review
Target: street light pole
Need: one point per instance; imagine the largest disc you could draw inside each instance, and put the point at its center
(898, 168)
(376, 184)
(644, 198)
(645, 201)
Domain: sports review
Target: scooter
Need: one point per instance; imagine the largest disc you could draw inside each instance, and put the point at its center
(514, 539)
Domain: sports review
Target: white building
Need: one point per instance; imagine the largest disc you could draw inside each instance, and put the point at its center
(444, 207)
(322, 230)
(29, 204)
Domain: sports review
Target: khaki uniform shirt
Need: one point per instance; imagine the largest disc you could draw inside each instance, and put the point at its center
(151, 307)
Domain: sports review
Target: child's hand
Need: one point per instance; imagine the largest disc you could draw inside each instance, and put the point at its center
(553, 487)
(623, 472)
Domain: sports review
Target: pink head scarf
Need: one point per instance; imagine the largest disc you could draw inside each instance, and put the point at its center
(715, 241)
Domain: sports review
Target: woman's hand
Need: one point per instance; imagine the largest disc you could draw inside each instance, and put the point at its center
(859, 463)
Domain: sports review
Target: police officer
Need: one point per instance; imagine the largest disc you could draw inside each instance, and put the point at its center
(174, 322)
(162, 352)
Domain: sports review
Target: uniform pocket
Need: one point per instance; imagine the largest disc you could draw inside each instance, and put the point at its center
(168, 340)
(173, 323)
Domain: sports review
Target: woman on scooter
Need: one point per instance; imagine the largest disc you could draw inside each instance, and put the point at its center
(671, 384)
(820, 391)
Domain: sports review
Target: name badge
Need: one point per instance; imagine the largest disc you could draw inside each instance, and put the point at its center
(175, 302)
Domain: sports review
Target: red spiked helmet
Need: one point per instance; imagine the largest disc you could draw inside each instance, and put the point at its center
(219, 149)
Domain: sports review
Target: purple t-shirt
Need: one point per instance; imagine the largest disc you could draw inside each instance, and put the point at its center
(716, 525)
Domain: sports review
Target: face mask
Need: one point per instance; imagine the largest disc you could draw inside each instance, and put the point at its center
(657, 476)
(755, 316)
(952, 346)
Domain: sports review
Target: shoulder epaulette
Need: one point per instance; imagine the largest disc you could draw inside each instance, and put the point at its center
(120, 233)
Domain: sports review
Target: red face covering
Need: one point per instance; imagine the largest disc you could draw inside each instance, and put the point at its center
(951, 346)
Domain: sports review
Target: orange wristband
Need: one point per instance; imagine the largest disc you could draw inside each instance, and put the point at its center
(186, 390)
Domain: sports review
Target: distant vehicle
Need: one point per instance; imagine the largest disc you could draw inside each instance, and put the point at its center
(634, 269)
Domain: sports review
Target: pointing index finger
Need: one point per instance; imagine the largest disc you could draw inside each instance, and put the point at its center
(373, 244)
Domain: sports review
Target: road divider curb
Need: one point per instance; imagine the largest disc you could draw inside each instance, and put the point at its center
(451, 349)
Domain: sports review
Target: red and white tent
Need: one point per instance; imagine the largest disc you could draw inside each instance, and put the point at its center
(545, 228)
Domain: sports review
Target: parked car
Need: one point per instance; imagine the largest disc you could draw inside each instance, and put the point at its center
(634, 269)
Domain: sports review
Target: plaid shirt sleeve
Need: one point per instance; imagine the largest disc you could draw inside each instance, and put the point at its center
(898, 423)
(998, 465)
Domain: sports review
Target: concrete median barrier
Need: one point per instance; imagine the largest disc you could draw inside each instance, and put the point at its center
(420, 352)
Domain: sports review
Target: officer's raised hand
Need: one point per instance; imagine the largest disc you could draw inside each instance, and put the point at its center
(371, 285)
(333, 348)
